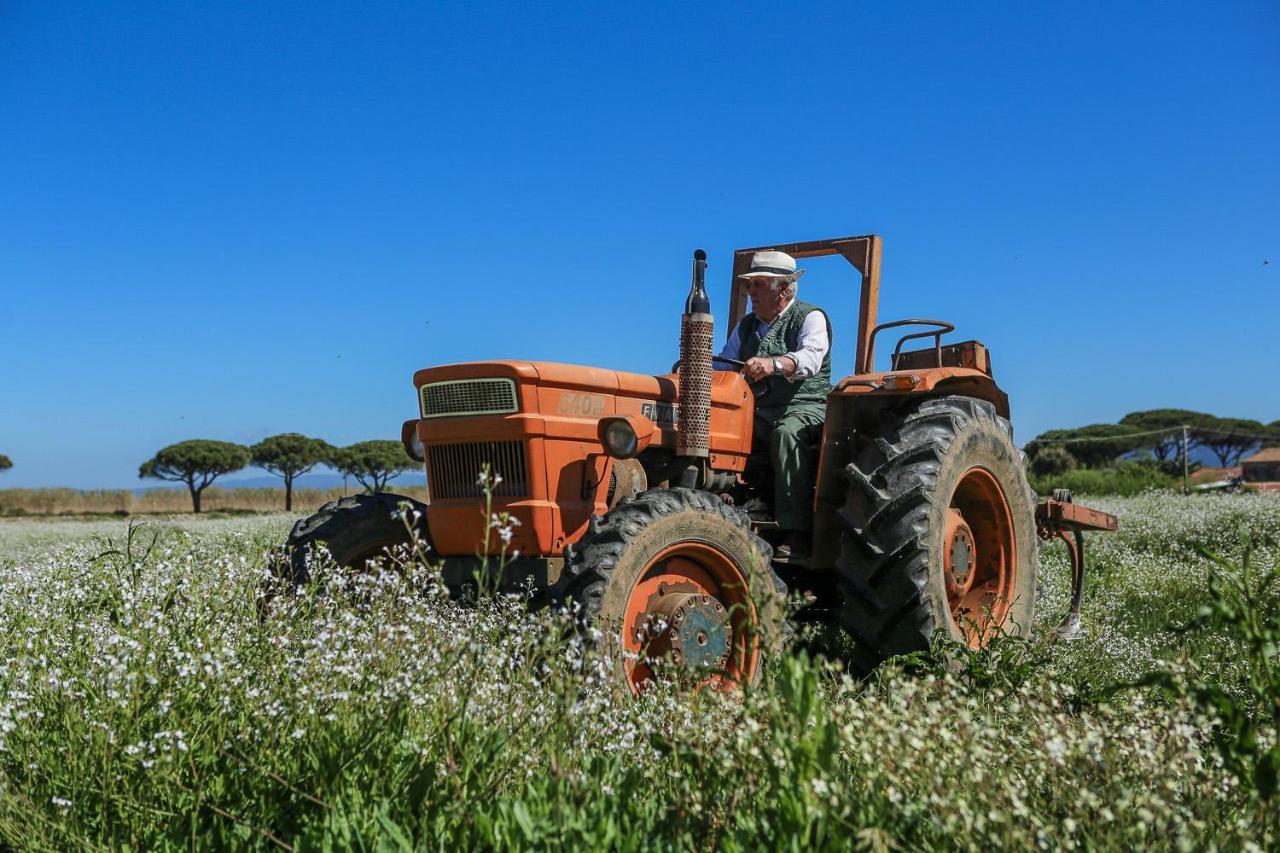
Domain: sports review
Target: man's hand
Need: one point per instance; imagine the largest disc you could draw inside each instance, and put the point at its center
(758, 368)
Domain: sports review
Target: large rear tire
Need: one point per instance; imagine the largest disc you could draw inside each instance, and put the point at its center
(356, 530)
(676, 581)
(939, 532)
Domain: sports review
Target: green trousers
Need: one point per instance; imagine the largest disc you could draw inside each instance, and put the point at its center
(792, 440)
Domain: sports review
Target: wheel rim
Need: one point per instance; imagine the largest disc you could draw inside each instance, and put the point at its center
(979, 557)
(691, 611)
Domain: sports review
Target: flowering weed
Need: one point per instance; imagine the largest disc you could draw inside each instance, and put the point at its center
(146, 700)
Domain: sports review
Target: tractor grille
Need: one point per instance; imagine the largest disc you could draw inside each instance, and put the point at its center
(469, 397)
(454, 469)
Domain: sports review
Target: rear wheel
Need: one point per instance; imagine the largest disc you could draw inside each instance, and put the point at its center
(676, 582)
(356, 530)
(939, 532)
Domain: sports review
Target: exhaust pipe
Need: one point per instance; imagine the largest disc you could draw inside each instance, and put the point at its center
(697, 326)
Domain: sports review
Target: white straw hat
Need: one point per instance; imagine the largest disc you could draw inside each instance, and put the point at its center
(773, 265)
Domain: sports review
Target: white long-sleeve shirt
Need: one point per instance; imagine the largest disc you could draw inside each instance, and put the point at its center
(811, 345)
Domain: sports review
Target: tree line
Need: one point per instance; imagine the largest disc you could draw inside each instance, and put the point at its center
(1162, 435)
(199, 462)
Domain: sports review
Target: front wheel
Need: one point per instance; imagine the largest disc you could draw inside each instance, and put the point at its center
(939, 532)
(676, 581)
(356, 530)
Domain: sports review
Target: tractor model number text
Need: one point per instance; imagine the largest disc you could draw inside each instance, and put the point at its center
(587, 405)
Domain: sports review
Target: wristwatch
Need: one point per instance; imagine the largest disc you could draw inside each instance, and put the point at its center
(777, 367)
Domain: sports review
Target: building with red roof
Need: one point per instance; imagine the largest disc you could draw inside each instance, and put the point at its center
(1263, 469)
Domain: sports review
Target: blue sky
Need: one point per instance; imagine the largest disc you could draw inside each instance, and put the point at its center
(235, 219)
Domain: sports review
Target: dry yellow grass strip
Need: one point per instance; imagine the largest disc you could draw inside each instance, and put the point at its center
(125, 502)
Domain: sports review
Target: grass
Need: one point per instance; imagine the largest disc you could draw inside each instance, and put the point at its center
(147, 700)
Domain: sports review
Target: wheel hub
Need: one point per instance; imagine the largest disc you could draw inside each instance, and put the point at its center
(692, 627)
(960, 554)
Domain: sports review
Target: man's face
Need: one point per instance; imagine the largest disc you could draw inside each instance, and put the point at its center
(767, 297)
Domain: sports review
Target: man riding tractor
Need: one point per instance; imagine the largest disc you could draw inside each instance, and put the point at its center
(786, 346)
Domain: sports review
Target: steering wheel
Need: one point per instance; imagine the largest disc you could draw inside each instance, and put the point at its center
(758, 388)
(738, 364)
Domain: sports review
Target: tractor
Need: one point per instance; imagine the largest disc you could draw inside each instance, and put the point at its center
(640, 501)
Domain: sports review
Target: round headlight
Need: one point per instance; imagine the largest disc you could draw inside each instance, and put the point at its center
(416, 450)
(620, 439)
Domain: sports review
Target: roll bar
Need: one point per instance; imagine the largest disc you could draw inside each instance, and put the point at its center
(862, 252)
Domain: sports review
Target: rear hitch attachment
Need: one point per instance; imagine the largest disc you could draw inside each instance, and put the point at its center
(1059, 517)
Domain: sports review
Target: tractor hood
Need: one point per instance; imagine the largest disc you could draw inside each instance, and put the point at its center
(569, 393)
(536, 423)
(583, 391)
(597, 379)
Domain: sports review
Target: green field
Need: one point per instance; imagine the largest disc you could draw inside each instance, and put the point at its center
(147, 701)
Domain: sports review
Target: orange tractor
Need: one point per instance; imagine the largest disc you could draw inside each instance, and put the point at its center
(638, 497)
